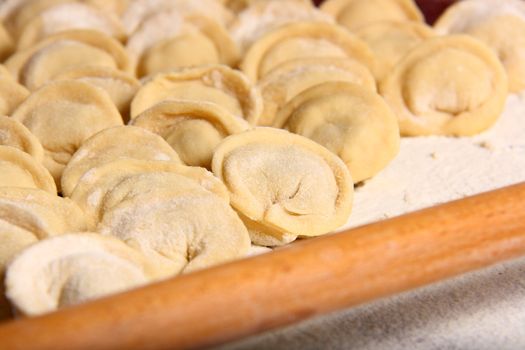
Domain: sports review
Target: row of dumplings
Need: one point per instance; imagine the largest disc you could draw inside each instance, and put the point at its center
(168, 174)
(268, 34)
(153, 216)
(163, 34)
(137, 189)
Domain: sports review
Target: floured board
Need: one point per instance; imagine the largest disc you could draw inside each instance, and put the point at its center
(432, 170)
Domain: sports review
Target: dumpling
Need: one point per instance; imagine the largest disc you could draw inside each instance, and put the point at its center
(261, 17)
(303, 40)
(7, 45)
(499, 24)
(116, 7)
(169, 40)
(217, 84)
(354, 123)
(19, 169)
(39, 64)
(140, 10)
(506, 36)
(289, 79)
(28, 215)
(11, 94)
(39, 212)
(67, 16)
(47, 63)
(93, 186)
(236, 6)
(15, 134)
(120, 86)
(62, 115)
(461, 16)
(452, 85)
(390, 41)
(9, 7)
(354, 14)
(112, 144)
(71, 269)
(4, 73)
(177, 224)
(13, 240)
(283, 185)
(193, 129)
(19, 13)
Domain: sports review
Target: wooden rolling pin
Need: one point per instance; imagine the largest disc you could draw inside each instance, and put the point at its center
(299, 281)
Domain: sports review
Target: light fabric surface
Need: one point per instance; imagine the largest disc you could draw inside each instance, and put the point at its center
(484, 310)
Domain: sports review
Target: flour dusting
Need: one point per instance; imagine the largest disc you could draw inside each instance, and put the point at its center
(76, 16)
(437, 169)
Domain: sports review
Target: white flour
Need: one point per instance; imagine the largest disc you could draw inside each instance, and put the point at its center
(432, 170)
(76, 16)
(262, 17)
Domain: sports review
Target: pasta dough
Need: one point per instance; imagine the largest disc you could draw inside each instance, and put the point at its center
(181, 123)
(52, 60)
(180, 226)
(139, 10)
(239, 5)
(303, 40)
(354, 14)
(27, 215)
(67, 16)
(4, 73)
(19, 169)
(352, 122)
(22, 11)
(506, 36)
(87, 109)
(451, 85)
(461, 16)
(284, 184)
(169, 40)
(217, 84)
(39, 212)
(112, 144)
(15, 134)
(93, 186)
(291, 78)
(120, 86)
(390, 41)
(263, 16)
(63, 51)
(12, 241)
(6, 43)
(11, 94)
(116, 7)
(73, 268)
(500, 25)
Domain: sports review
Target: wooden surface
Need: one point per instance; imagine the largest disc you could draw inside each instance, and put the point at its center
(294, 283)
